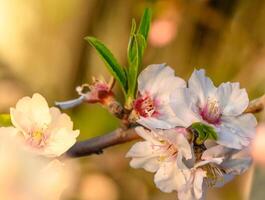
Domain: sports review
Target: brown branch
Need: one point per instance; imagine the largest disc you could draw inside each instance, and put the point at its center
(119, 136)
(256, 105)
(97, 144)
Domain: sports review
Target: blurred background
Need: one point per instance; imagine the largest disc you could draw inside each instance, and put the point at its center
(42, 50)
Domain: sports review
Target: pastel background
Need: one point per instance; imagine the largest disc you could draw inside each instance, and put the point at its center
(42, 50)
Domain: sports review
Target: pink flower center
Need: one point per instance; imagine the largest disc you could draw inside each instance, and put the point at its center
(169, 151)
(211, 112)
(145, 106)
(37, 139)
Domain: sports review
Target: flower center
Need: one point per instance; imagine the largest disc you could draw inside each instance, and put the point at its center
(145, 106)
(169, 151)
(211, 112)
(37, 139)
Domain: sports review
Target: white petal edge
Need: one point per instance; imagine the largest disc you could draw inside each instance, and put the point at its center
(232, 99)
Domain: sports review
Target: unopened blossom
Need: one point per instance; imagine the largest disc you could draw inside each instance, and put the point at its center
(162, 152)
(221, 107)
(44, 130)
(155, 84)
(99, 91)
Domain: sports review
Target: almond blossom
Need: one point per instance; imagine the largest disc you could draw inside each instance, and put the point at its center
(183, 166)
(44, 130)
(162, 152)
(155, 84)
(220, 107)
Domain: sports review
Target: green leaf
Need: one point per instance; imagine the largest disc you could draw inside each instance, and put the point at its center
(135, 52)
(111, 63)
(5, 120)
(203, 132)
(145, 23)
(132, 72)
(133, 27)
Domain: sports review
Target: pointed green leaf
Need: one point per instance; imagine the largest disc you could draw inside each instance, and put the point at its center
(135, 52)
(111, 63)
(203, 132)
(133, 27)
(132, 72)
(145, 23)
(5, 120)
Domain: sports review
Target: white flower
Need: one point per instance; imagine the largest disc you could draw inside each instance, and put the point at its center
(46, 130)
(220, 107)
(162, 152)
(155, 84)
(203, 173)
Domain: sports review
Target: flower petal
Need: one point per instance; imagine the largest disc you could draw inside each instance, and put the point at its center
(237, 132)
(198, 183)
(169, 178)
(59, 142)
(183, 107)
(180, 141)
(159, 79)
(217, 151)
(201, 87)
(35, 112)
(143, 156)
(232, 99)
(151, 122)
(59, 120)
(150, 136)
(238, 162)
(194, 189)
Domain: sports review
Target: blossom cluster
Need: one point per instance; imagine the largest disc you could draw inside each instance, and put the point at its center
(196, 135)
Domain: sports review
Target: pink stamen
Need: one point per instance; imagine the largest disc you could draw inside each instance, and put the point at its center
(145, 106)
(211, 112)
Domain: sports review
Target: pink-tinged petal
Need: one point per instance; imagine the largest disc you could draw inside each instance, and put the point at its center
(232, 99)
(143, 156)
(184, 108)
(215, 152)
(59, 120)
(35, 109)
(180, 141)
(201, 87)
(169, 178)
(158, 78)
(237, 132)
(59, 142)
